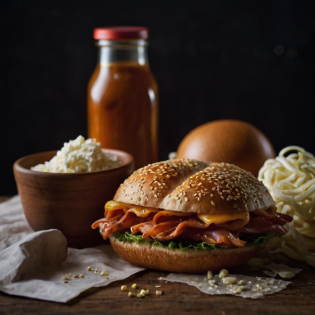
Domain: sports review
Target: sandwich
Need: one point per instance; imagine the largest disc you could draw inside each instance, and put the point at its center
(190, 216)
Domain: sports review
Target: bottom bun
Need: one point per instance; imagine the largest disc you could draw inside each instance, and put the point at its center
(187, 261)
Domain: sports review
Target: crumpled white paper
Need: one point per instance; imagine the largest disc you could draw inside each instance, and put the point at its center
(36, 262)
(283, 271)
(13, 225)
(266, 262)
(252, 287)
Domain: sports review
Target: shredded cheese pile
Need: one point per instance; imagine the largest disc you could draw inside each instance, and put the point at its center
(79, 156)
(291, 182)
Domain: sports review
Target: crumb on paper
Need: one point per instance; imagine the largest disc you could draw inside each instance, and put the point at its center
(223, 273)
(229, 280)
(209, 275)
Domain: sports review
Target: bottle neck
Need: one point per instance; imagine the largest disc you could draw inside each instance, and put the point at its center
(111, 51)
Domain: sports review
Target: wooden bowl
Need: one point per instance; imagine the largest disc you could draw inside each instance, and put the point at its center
(69, 202)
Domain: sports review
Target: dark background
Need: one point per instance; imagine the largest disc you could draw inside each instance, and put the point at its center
(250, 60)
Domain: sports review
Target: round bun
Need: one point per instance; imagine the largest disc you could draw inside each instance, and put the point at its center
(194, 186)
(188, 261)
(230, 141)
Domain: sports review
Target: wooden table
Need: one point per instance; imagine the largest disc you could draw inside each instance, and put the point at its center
(298, 298)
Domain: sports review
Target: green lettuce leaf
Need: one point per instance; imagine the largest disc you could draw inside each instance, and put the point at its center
(259, 240)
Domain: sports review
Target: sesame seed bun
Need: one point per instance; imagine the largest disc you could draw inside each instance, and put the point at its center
(188, 261)
(194, 186)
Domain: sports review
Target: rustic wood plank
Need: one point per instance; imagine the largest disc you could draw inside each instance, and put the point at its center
(298, 298)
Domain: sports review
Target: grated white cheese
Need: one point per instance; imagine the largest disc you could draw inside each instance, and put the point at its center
(79, 156)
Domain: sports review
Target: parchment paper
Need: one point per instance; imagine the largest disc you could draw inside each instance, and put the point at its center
(33, 264)
(252, 287)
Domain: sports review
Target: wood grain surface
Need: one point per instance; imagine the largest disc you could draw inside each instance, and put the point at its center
(177, 298)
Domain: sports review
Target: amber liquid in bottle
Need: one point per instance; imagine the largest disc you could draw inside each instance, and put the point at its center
(123, 107)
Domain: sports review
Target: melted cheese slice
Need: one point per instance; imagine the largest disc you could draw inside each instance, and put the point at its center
(113, 205)
(268, 212)
(137, 210)
(220, 218)
(166, 213)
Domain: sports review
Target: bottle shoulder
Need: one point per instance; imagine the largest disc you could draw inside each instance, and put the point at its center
(125, 75)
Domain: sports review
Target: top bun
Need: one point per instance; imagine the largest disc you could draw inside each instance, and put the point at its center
(230, 141)
(194, 186)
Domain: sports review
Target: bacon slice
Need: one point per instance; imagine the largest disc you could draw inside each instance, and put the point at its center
(142, 227)
(168, 225)
(159, 231)
(214, 236)
(118, 224)
(280, 218)
(258, 225)
(191, 229)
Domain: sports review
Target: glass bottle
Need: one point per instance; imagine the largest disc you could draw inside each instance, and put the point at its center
(122, 95)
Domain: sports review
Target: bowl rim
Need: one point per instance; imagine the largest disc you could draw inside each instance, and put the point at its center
(17, 164)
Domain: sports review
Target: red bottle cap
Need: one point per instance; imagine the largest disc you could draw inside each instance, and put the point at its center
(121, 32)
